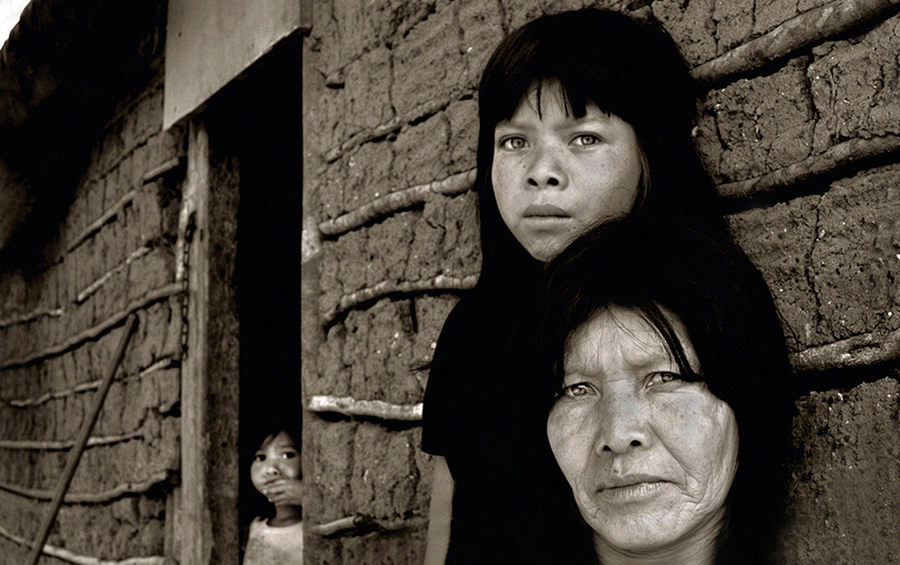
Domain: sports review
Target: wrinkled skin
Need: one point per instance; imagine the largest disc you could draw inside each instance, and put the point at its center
(650, 456)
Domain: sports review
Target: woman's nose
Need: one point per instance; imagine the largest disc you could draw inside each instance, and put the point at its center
(622, 425)
(546, 170)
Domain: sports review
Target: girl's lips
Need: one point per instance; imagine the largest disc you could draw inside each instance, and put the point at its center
(545, 211)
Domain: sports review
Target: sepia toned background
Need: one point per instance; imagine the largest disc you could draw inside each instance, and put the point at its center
(160, 159)
(799, 125)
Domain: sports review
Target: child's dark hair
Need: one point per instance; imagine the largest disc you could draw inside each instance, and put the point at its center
(289, 424)
(628, 68)
(253, 502)
(650, 263)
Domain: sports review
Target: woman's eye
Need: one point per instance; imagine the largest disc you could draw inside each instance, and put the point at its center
(513, 143)
(586, 140)
(663, 377)
(577, 390)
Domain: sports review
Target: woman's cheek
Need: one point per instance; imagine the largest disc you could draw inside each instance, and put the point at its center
(562, 433)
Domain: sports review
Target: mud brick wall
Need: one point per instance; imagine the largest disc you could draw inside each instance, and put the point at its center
(61, 319)
(800, 127)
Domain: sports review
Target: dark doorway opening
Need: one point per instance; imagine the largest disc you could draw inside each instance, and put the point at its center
(259, 117)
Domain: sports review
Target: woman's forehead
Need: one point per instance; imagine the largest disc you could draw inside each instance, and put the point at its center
(626, 334)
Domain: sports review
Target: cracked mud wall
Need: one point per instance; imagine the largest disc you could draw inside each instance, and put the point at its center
(110, 255)
(799, 127)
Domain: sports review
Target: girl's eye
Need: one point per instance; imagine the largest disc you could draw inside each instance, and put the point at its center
(259, 457)
(513, 143)
(577, 390)
(289, 454)
(586, 140)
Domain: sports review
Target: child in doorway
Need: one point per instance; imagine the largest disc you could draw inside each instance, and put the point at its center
(275, 473)
(584, 117)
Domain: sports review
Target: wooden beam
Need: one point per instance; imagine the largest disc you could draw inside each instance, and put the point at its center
(193, 521)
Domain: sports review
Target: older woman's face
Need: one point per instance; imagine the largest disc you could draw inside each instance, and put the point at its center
(650, 457)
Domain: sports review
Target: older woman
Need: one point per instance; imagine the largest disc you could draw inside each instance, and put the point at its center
(671, 418)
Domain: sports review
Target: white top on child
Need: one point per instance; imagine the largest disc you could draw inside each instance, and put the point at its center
(268, 545)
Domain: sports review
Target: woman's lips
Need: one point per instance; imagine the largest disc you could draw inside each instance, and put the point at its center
(631, 488)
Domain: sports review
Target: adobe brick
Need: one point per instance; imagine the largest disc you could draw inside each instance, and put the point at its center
(463, 142)
(778, 241)
(769, 14)
(855, 261)
(168, 384)
(149, 390)
(734, 23)
(377, 347)
(426, 145)
(168, 449)
(761, 124)
(368, 172)
(384, 477)
(328, 461)
(428, 61)
(849, 442)
(133, 410)
(150, 272)
(855, 87)
(688, 24)
(323, 129)
(332, 375)
(482, 31)
(367, 90)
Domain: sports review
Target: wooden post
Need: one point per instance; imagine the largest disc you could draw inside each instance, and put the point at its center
(207, 516)
(194, 528)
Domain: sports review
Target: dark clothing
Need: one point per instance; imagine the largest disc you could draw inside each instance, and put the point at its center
(485, 411)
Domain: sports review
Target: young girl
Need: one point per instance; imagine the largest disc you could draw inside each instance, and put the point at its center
(275, 473)
(584, 116)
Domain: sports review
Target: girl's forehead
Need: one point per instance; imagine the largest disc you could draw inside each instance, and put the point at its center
(545, 95)
(280, 439)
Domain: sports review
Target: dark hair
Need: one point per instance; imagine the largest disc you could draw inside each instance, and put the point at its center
(253, 502)
(629, 68)
(651, 262)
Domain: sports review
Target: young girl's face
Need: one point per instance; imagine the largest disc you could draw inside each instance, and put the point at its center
(554, 174)
(277, 458)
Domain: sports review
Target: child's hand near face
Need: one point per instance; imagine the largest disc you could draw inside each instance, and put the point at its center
(275, 472)
(284, 491)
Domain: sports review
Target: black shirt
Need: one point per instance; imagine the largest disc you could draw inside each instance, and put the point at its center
(485, 411)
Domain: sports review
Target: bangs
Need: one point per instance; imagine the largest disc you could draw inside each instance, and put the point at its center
(503, 90)
(548, 54)
(651, 312)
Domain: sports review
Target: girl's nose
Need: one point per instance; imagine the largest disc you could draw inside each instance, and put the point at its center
(272, 469)
(622, 425)
(546, 170)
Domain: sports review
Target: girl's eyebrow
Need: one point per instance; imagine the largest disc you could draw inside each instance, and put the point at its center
(569, 123)
(517, 125)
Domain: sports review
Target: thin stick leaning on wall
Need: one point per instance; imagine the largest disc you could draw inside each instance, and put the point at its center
(81, 442)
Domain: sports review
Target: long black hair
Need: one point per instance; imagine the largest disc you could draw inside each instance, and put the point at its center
(628, 67)
(650, 262)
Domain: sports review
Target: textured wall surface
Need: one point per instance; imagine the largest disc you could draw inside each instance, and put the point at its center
(799, 127)
(110, 255)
